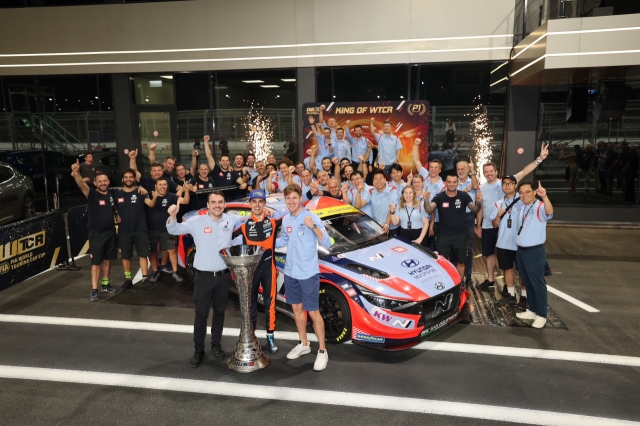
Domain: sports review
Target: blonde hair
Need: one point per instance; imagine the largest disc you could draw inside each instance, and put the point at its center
(414, 202)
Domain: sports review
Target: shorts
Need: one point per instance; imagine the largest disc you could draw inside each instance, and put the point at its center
(306, 291)
(489, 241)
(126, 241)
(164, 238)
(102, 246)
(506, 258)
(456, 244)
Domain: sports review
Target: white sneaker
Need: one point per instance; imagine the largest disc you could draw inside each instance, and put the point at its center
(526, 315)
(321, 361)
(299, 350)
(539, 322)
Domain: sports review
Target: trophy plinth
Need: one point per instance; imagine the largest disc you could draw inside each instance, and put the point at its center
(242, 261)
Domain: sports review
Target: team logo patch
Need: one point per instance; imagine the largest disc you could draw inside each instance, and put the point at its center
(121, 200)
(399, 249)
(410, 263)
(208, 230)
(289, 229)
(200, 186)
(102, 202)
(445, 204)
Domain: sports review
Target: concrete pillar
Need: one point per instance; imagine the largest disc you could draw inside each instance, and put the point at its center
(519, 148)
(123, 118)
(306, 92)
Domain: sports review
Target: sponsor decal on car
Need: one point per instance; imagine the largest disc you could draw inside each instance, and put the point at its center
(369, 338)
(329, 211)
(351, 292)
(423, 271)
(439, 325)
(399, 249)
(439, 286)
(410, 263)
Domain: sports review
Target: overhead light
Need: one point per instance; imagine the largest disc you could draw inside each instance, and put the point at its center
(269, 86)
(228, 96)
(252, 81)
(288, 79)
(378, 96)
(155, 83)
(401, 97)
(220, 87)
(50, 99)
(168, 77)
(334, 97)
(96, 97)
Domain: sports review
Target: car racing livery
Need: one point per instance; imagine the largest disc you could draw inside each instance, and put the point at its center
(381, 292)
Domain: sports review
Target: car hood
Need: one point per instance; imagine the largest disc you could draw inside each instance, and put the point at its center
(412, 274)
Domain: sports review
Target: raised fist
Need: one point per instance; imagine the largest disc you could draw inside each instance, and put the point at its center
(153, 146)
(292, 169)
(133, 153)
(373, 119)
(479, 197)
(173, 210)
(348, 122)
(417, 141)
(195, 153)
(311, 120)
(308, 221)
(392, 208)
(273, 173)
(334, 160)
(323, 107)
(361, 158)
(309, 152)
(206, 138)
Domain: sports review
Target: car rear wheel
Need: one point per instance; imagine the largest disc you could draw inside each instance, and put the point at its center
(336, 314)
(28, 208)
(191, 272)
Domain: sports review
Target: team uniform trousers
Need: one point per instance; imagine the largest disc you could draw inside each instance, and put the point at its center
(531, 265)
(209, 288)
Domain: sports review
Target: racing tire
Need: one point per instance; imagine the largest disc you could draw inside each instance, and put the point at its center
(28, 208)
(336, 315)
(191, 271)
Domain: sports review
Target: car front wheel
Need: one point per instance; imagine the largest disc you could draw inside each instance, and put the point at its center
(336, 315)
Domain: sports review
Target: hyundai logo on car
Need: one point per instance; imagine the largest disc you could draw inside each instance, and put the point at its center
(410, 263)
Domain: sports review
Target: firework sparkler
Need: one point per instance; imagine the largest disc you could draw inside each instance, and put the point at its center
(259, 133)
(482, 138)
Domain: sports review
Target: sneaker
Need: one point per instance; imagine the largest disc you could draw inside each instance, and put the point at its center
(526, 315)
(177, 277)
(166, 269)
(109, 288)
(155, 277)
(95, 296)
(486, 284)
(217, 351)
(126, 284)
(197, 358)
(273, 348)
(298, 351)
(506, 300)
(147, 284)
(504, 293)
(522, 304)
(468, 280)
(539, 322)
(321, 361)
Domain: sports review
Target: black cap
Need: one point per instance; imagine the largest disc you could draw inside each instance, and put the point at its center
(510, 177)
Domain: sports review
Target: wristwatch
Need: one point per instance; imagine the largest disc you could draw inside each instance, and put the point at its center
(314, 226)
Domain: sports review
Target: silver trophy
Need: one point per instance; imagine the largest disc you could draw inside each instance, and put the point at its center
(243, 260)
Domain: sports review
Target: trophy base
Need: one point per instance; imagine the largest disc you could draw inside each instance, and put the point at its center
(246, 366)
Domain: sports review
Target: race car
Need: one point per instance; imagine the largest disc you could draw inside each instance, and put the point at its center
(377, 291)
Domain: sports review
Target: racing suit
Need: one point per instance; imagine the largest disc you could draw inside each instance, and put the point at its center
(262, 233)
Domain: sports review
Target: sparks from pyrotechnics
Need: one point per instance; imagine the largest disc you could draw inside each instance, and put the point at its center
(482, 138)
(259, 133)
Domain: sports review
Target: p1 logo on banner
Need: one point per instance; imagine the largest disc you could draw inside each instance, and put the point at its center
(30, 247)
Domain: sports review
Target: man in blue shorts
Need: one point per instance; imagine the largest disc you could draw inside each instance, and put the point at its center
(301, 230)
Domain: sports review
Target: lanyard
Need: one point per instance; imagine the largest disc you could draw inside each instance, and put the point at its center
(525, 217)
(409, 214)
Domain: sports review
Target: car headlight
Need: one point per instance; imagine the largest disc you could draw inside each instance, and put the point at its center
(380, 301)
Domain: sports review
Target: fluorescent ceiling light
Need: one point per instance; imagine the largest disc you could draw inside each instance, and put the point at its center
(252, 81)
(220, 87)
(155, 83)
(168, 77)
(269, 86)
(288, 79)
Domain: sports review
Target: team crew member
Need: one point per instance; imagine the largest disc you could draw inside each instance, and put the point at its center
(156, 222)
(452, 232)
(333, 190)
(88, 169)
(468, 182)
(382, 197)
(313, 162)
(301, 230)
(410, 216)
(396, 177)
(224, 175)
(277, 183)
(389, 146)
(102, 231)
(261, 231)
(505, 215)
(360, 146)
(531, 256)
(324, 139)
(432, 185)
(341, 146)
(132, 228)
(167, 166)
(491, 193)
(149, 183)
(359, 196)
(211, 233)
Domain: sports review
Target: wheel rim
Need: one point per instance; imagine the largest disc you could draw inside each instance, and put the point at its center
(332, 314)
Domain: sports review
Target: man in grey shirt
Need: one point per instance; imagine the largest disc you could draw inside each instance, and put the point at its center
(211, 233)
(87, 169)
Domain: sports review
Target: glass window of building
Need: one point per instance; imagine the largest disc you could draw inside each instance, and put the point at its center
(153, 89)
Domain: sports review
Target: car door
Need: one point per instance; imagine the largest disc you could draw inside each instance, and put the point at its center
(10, 200)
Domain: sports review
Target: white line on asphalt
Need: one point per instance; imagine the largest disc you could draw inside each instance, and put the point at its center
(290, 335)
(570, 299)
(312, 396)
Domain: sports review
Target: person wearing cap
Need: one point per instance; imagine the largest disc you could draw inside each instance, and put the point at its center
(505, 215)
(260, 230)
(492, 192)
(211, 233)
(531, 256)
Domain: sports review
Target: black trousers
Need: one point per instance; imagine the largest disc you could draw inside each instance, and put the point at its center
(208, 288)
(266, 275)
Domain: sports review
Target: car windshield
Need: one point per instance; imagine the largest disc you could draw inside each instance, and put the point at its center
(350, 232)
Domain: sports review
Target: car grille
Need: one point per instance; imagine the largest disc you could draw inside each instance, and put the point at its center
(438, 307)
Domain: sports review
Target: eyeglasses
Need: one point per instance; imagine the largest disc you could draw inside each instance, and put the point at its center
(508, 183)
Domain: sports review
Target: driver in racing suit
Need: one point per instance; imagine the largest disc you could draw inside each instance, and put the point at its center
(261, 230)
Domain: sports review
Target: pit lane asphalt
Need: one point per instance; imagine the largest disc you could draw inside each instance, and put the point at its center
(607, 281)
